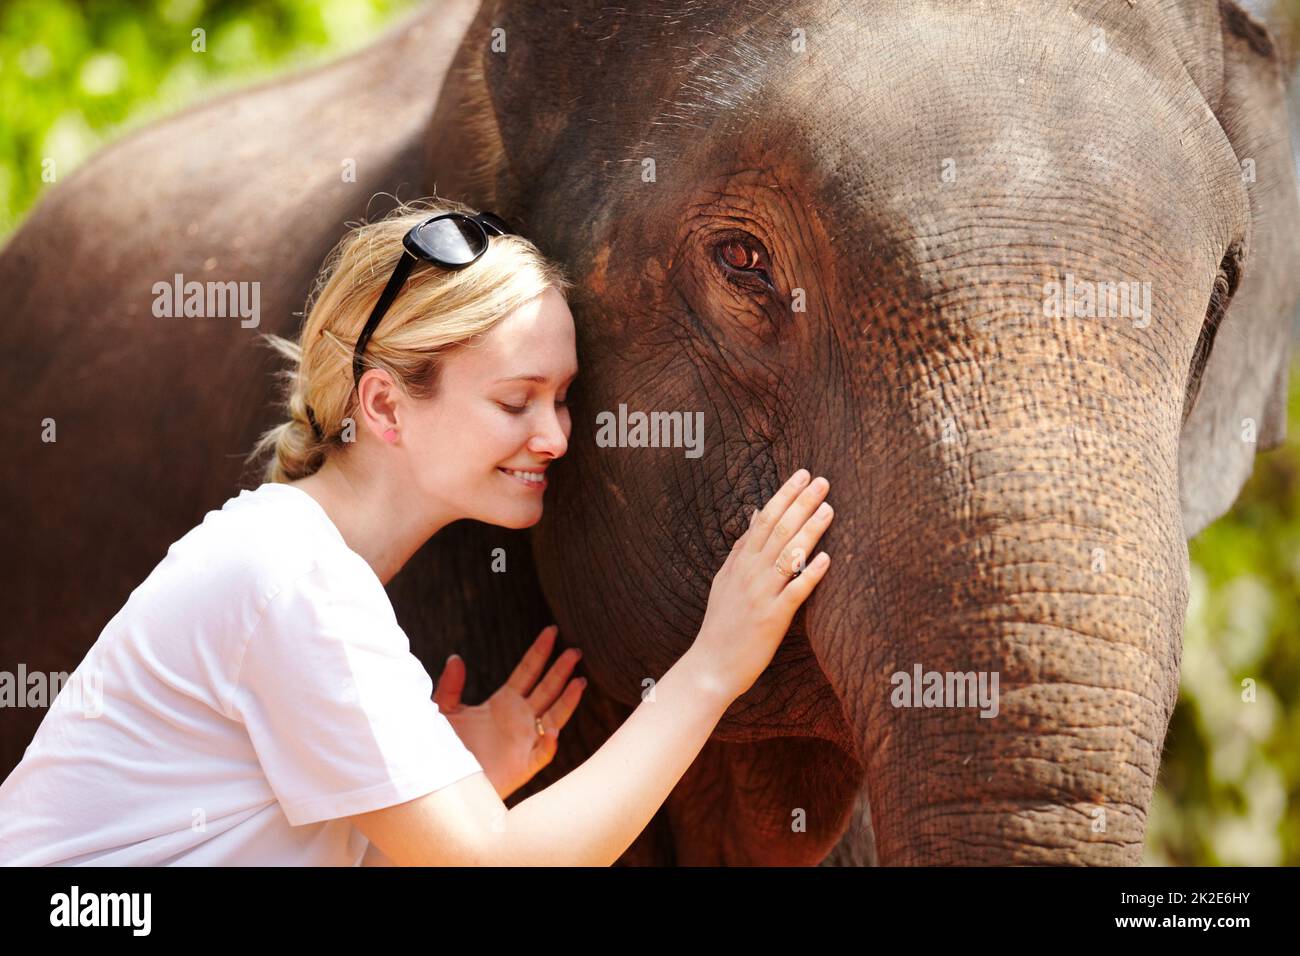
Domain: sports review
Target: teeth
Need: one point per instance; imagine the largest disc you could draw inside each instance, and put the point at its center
(535, 478)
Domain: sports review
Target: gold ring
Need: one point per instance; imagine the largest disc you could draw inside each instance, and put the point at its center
(788, 574)
(541, 731)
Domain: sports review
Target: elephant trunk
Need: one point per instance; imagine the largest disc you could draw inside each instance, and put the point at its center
(1005, 634)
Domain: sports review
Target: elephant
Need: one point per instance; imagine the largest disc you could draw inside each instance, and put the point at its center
(1016, 277)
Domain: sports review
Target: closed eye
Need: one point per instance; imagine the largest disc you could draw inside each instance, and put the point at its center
(520, 409)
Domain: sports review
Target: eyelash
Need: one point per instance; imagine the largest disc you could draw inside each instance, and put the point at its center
(520, 409)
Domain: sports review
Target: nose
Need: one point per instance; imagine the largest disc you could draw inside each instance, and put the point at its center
(552, 438)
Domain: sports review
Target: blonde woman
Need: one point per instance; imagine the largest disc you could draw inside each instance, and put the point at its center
(260, 703)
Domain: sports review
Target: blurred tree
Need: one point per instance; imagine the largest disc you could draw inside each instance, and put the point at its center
(76, 75)
(1229, 790)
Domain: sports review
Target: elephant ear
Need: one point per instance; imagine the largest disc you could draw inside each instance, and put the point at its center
(512, 97)
(1240, 406)
(560, 83)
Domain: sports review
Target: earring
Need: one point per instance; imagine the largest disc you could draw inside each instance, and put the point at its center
(390, 435)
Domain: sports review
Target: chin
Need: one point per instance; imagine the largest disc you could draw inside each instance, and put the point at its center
(516, 521)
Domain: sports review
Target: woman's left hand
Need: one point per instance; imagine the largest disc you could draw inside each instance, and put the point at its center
(502, 732)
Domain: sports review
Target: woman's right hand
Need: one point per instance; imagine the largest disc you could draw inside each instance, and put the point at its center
(751, 602)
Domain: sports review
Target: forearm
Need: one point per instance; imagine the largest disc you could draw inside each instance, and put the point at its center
(594, 813)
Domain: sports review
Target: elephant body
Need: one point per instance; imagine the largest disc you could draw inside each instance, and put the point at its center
(870, 241)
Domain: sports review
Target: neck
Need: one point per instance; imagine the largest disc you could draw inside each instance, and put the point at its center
(370, 507)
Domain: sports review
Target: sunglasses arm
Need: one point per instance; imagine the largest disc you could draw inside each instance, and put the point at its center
(395, 283)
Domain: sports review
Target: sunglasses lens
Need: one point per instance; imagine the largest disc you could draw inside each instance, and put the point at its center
(456, 240)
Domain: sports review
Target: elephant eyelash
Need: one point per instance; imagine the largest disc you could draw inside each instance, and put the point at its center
(1225, 286)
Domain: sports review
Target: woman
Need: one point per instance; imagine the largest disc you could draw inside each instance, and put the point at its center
(261, 704)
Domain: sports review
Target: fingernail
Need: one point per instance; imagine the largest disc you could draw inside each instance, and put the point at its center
(801, 476)
(450, 656)
(824, 510)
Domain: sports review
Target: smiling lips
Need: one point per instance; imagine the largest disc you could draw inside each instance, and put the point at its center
(532, 479)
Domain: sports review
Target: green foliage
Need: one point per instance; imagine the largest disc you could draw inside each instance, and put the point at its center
(74, 76)
(1229, 790)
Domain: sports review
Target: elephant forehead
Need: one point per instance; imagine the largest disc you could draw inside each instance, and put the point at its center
(921, 120)
(958, 106)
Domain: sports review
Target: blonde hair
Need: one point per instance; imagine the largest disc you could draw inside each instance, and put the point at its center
(436, 311)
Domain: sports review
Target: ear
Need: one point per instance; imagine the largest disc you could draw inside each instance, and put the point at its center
(508, 104)
(1240, 407)
(465, 154)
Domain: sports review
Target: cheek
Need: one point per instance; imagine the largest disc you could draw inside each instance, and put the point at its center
(460, 440)
(490, 436)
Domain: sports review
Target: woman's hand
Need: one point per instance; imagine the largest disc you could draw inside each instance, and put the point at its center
(501, 733)
(753, 597)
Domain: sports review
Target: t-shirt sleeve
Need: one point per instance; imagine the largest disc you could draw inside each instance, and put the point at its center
(339, 711)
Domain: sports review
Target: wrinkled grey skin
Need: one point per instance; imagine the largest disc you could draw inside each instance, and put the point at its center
(1014, 491)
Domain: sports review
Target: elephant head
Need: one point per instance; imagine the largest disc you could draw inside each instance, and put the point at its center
(1016, 277)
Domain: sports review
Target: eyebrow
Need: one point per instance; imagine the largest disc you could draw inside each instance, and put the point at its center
(529, 378)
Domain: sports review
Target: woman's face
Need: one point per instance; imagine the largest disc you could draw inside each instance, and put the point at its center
(481, 446)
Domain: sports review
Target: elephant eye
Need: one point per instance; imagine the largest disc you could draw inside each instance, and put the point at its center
(1225, 287)
(743, 260)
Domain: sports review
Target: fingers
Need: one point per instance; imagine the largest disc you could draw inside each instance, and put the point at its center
(796, 555)
(559, 713)
(451, 684)
(544, 695)
(797, 591)
(771, 513)
(793, 518)
(746, 534)
(742, 542)
(529, 668)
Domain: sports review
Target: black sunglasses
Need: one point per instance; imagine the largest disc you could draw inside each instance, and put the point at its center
(451, 240)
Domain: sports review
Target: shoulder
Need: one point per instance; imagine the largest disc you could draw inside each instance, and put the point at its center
(330, 591)
(261, 542)
(308, 578)
(334, 618)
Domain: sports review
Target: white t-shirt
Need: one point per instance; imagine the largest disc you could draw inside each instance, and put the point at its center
(255, 689)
